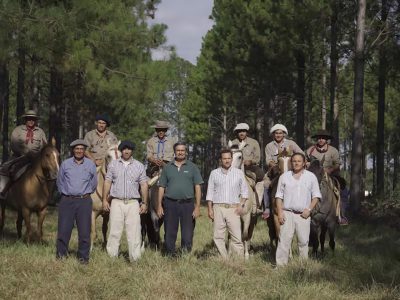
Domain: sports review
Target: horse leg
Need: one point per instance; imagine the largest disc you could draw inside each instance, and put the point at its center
(322, 238)
(26, 213)
(2, 216)
(245, 234)
(331, 230)
(93, 235)
(41, 214)
(19, 224)
(314, 239)
(104, 227)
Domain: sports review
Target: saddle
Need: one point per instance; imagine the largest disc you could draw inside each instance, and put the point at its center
(15, 167)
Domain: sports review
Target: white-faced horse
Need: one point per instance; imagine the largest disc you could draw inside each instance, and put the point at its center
(97, 197)
(248, 218)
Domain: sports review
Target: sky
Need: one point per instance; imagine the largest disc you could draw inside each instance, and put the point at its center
(188, 21)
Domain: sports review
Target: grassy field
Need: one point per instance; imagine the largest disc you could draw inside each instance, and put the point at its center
(366, 265)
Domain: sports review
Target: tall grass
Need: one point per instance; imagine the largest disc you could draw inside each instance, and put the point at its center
(366, 265)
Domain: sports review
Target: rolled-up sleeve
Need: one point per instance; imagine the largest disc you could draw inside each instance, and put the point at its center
(143, 177)
(244, 191)
(281, 188)
(210, 188)
(110, 171)
(315, 191)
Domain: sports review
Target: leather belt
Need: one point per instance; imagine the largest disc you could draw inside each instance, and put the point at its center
(77, 196)
(180, 200)
(293, 211)
(226, 205)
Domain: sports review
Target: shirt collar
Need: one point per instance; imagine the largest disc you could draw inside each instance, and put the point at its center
(130, 160)
(283, 142)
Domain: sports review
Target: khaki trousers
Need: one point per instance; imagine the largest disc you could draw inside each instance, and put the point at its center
(127, 214)
(227, 218)
(294, 223)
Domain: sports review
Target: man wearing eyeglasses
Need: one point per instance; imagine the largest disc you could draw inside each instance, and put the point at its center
(99, 140)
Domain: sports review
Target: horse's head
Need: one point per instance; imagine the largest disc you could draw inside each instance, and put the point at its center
(49, 160)
(316, 167)
(112, 152)
(284, 157)
(237, 154)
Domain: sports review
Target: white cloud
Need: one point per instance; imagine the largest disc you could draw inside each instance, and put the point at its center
(188, 21)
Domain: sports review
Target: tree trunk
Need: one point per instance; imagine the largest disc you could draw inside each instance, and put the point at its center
(300, 59)
(20, 85)
(333, 72)
(259, 128)
(4, 98)
(55, 99)
(34, 97)
(323, 103)
(396, 164)
(380, 128)
(356, 188)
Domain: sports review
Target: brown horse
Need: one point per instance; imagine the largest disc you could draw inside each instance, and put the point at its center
(325, 215)
(282, 166)
(97, 197)
(31, 192)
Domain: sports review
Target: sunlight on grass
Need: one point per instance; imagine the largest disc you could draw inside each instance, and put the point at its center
(365, 265)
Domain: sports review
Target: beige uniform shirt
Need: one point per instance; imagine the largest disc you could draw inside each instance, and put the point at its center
(98, 145)
(332, 158)
(161, 150)
(272, 149)
(251, 150)
(20, 145)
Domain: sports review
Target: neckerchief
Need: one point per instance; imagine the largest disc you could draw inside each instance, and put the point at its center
(29, 135)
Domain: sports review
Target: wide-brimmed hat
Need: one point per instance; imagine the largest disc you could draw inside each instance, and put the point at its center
(126, 144)
(322, 133)
(30, 114)
(104, 117)
(241, 126)
(161, 124)
(278, 127)
(79, 142)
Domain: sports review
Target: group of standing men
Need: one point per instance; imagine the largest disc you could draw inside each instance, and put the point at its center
(179, 187)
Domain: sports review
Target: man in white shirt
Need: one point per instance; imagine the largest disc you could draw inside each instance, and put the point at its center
(297, 194)
(226, 195)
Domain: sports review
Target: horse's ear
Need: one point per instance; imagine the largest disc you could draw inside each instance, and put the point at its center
(230, 144)
(119, 142)
(53, 141)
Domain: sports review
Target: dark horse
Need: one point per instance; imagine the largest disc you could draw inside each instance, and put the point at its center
(151, 223)
(325, 215)
(31, 192)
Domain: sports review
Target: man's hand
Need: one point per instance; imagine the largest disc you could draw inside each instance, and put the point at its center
(266, 214)
(281, 218)
(196, 212)
(158, 162)
(160, 211)
(211, 214)
(271, 164)
(143, 208)
(306, 213)
(106, 205)
(247, 163)
(239, 210)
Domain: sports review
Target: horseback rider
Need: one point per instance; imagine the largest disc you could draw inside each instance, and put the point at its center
(160, 148)
(99, 140)
(279, 143)
(322, 150)
(26, 140)
(251, 152)
(329, 156)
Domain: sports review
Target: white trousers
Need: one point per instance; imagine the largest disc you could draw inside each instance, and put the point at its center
(294, 223)
(226, 218)
(125, 214)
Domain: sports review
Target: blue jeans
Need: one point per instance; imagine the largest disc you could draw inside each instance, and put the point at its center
(71, 210)
(175, 212)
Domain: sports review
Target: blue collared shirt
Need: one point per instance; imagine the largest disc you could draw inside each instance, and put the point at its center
(77, 179)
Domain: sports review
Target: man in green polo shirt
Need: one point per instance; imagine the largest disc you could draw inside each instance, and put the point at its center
(179, 199)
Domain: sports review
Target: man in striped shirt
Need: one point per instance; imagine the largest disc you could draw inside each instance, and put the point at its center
(123, 178)
(226, 194)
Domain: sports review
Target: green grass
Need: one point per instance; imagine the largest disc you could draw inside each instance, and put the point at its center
(366, 265)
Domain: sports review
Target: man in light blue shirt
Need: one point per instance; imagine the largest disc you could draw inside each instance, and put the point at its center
(76, 181)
